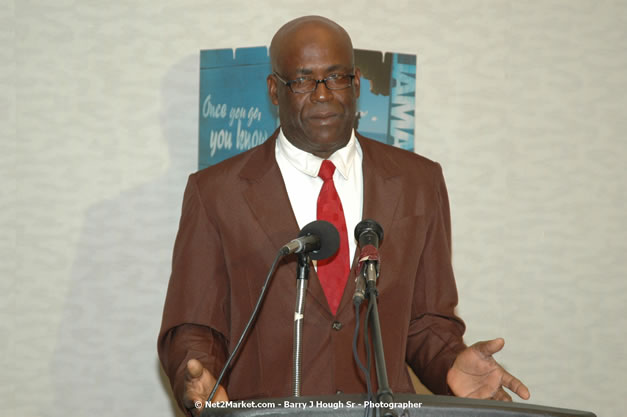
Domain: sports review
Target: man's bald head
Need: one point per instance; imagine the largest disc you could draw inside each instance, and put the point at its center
(295, 31)
(314, 49)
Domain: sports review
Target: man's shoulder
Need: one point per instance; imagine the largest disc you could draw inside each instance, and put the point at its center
(402, 160)
(235, 167)
(222, 170)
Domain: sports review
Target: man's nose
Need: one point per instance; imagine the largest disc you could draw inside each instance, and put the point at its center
(321, 92)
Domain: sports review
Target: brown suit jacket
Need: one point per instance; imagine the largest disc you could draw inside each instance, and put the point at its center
(235, 217)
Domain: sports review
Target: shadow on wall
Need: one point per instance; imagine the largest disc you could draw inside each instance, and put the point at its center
(105, 362)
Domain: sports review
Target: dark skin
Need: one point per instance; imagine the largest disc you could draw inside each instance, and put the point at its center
(476, 374)
(321, 122)
(199, 383)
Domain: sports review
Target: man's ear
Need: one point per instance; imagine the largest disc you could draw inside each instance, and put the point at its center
(272, 89)
(357, 81)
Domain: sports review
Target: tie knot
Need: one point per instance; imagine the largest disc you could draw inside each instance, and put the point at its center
(326, 170)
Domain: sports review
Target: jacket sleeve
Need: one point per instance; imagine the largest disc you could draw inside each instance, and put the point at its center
(435, 332)
(196, 311)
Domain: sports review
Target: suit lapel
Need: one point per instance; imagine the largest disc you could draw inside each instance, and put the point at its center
(382, 188)
(267, 198)
(382, 185)
(266, 195)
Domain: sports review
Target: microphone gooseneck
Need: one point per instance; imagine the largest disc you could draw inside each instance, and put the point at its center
(369, 235)
(319, 240)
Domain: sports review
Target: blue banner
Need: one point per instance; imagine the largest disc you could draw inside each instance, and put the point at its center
(236, 113)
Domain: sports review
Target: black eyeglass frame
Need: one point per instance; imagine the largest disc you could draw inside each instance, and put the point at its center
(322, 81)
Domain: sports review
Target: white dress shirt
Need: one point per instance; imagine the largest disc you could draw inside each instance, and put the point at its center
(300, 175)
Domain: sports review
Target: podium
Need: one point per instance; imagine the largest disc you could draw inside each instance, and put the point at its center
(406, 405)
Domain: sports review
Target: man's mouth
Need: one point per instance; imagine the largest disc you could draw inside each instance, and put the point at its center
(325, 117)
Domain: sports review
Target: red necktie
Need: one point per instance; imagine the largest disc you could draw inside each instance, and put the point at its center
(333, 271)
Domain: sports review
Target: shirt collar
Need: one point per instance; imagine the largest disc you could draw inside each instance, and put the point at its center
(309, 164)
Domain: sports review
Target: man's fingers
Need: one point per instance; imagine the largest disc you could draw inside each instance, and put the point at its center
(220, 395)
(196, 384)
(501, 395)
(194, 369)
(199, 383)
(194, 402)
(490, 347)
(515, 385)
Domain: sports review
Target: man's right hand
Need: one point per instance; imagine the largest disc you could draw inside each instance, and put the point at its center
(198, 385)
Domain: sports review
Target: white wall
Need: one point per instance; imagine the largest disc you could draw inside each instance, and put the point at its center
(523, 103)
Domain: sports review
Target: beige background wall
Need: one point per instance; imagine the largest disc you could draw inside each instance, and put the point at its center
(523, 103)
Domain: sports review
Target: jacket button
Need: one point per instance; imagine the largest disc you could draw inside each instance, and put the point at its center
(337, 325)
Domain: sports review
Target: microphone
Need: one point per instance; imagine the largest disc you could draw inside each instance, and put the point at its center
(319, 237)
(369, 234)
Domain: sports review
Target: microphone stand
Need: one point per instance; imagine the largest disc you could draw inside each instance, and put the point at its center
(302, 279)
(384, 394)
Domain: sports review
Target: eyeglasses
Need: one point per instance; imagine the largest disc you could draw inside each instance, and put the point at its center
(307, 85)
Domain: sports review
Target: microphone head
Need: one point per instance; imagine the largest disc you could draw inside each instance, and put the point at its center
(369, 226)
(329, 238)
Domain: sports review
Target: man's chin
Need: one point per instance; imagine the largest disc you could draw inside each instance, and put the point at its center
(329, 134)
(330, 144)
(320, 142)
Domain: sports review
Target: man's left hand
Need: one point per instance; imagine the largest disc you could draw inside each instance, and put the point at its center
(475, 374)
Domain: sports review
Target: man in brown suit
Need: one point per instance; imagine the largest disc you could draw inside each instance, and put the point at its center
(238, 213)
